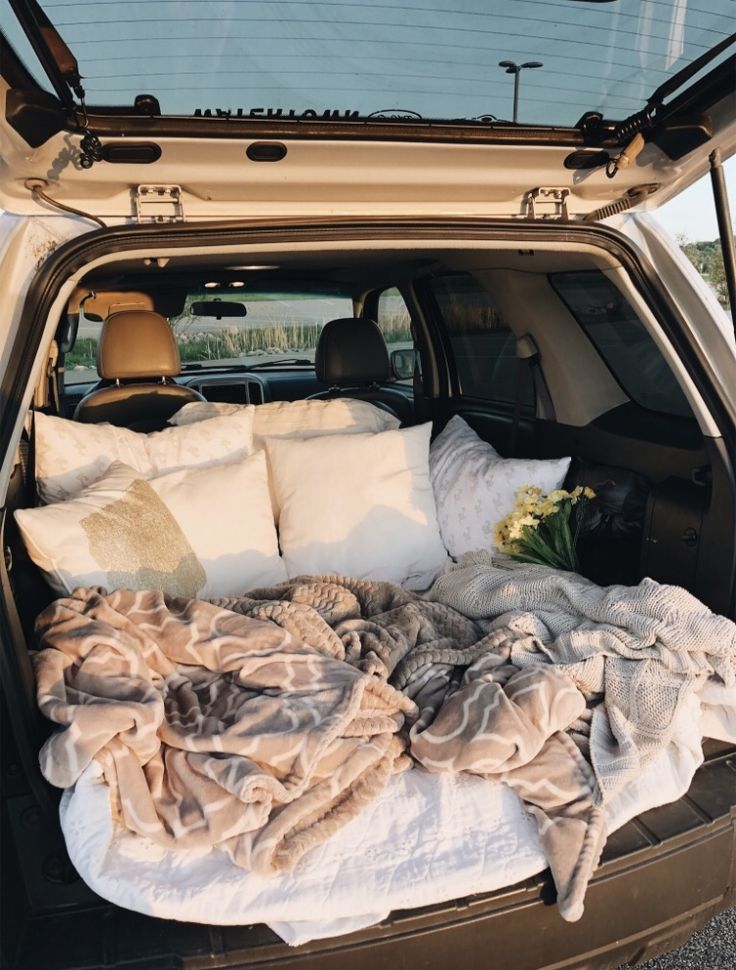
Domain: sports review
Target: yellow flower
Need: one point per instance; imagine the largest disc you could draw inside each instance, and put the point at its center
(528, 493)
(531, 508)
(548, 508)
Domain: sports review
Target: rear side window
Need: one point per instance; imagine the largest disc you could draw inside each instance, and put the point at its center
(394, 322)
(483, 345)
(393, 319)
(622, 340)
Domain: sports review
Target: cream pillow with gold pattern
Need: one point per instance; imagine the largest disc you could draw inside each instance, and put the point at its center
(200, 532)
(70, 455)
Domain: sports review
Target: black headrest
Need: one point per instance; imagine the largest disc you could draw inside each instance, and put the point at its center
(351, 351)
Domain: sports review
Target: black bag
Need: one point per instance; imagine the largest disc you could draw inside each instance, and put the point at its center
(609, 544)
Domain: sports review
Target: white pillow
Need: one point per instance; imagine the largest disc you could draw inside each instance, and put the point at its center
(71, 455)
(198, 532)
(359, 505)
(298, 419)
(475, 487)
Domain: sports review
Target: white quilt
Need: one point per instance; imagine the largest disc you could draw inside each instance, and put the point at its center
(426, 839)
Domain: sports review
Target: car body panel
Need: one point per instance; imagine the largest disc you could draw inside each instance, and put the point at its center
(337, 178)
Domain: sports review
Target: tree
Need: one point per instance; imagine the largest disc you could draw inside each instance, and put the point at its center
(707, 258)
(717, 277)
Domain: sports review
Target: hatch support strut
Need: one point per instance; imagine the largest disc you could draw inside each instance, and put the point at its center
(725, 228)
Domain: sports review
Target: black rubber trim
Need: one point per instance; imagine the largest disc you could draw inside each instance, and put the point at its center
(111, 122)
(37, 28)
(14, 70)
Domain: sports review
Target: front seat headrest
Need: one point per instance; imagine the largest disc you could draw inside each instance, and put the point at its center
(351, 351)
(137, 344)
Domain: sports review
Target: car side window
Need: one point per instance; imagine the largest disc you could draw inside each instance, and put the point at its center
(80, 363)
(483, 344)
(394, 321)
(622, 340)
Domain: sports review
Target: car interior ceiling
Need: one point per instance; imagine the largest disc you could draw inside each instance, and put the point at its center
(664, 479)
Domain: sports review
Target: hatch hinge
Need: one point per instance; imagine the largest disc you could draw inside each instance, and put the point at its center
(159, 203)
(547, 202)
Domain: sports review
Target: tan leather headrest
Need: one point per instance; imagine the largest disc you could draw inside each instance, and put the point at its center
(137, 343)
(99, 305)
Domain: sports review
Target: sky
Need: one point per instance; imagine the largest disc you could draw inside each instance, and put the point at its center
(692, 212)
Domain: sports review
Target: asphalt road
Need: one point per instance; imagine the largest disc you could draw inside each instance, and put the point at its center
(713, 948)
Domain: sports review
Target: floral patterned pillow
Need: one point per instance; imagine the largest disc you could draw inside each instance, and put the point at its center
(474, 487)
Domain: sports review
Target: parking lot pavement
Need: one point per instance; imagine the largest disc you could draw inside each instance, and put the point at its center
(713, 948)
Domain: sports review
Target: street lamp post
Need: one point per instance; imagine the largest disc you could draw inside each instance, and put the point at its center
(512, 68)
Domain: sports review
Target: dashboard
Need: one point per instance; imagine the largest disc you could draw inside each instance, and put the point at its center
(232, 387)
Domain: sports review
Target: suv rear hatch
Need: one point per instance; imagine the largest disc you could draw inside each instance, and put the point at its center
(572, 108)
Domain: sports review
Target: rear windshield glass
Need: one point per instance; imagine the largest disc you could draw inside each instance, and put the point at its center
(621, 339)
(428, 59)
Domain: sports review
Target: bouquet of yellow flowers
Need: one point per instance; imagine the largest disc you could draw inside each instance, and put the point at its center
(544, 529)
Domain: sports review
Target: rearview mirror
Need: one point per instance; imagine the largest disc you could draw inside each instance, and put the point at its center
(218, 309)
(403, 363)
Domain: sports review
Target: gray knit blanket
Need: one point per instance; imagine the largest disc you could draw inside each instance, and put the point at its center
(636, 652)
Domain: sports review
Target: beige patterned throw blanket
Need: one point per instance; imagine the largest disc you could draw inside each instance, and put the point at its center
(213, 728)
(260, 724)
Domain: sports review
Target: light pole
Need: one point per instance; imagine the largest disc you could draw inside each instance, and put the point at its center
(511, 68)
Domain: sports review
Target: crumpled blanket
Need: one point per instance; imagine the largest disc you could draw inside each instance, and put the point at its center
(454, 682)
(478, 713)
(642, 648)
(636, 653)
(213, 728)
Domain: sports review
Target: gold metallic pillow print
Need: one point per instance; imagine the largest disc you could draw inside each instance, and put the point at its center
(140, 545)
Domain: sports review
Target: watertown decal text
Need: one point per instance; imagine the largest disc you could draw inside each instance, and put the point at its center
(307, 113)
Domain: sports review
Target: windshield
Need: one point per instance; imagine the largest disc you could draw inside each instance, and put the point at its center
(540, 62)
(276, 327)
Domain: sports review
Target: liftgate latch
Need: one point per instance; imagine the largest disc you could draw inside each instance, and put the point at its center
(159, 203)
(547, 203)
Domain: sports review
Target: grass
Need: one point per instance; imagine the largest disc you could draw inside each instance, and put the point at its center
(236, 342)
(82, 354)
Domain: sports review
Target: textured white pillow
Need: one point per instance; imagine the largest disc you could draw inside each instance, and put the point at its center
(197, 532)
(298, 419)
(359, 505)
(71, 455)
(475, 487)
